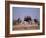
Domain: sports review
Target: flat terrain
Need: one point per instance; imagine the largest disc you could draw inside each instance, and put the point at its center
(25, 27)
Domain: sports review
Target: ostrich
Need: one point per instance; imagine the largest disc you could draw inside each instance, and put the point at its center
(28, 19)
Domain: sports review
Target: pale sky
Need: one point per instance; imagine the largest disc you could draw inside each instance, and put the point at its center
(21, 12)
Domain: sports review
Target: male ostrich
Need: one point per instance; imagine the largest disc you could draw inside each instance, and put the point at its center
(28, 19)
(35, 20)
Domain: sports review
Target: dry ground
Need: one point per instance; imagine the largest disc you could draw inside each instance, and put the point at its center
(25, 27)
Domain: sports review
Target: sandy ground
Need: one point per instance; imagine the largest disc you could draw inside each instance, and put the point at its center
(25, 27)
